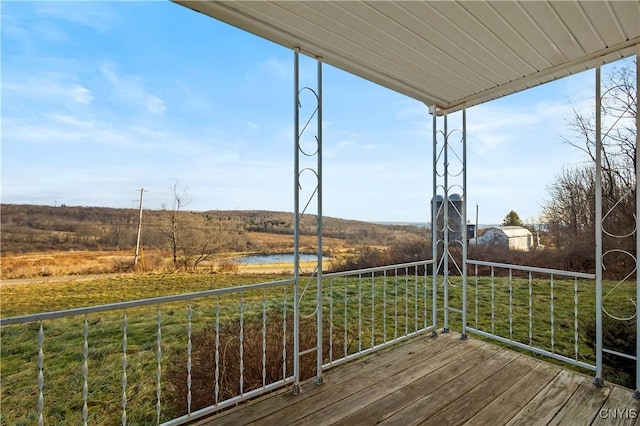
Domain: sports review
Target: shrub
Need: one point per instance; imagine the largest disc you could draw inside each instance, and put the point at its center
(203, 362)
(400, 252)
(228, 267)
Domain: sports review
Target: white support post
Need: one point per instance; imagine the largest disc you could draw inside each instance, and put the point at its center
(636, 394)
(434, 224)
(296, 225)
(464, 224)
(445, 251)
(598, 381)
(318, 380)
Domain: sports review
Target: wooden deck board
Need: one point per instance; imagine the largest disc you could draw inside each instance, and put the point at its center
(440, 381)
(390, 361)
(429, 404)
(617, 409)
(506, 405)
(548, 402)
(360, 409)
(467, 405)
(583, 406)
(331, 406)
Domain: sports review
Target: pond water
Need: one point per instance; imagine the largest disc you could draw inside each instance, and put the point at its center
(267, 259)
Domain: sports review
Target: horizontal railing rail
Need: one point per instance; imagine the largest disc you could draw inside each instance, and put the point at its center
(42, 316)
(541, 310)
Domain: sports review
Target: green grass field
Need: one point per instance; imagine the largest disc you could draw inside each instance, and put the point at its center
(375, 309)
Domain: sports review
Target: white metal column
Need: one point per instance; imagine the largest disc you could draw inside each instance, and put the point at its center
(296, 223)
(300, 208)
(598, 379)
(448, 216)
(636, 394)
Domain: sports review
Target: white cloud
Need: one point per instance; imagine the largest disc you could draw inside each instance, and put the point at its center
(74, 121)
(492, 126)
(191, 99)
(96, 15)
(277, 67)
(131, 88)
(49, 87)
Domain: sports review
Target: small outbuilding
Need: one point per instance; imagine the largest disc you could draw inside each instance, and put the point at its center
(514, 237)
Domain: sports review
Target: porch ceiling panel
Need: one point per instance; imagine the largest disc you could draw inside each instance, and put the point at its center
(447, 54)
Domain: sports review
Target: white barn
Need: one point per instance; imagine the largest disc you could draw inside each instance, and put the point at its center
(514, 237)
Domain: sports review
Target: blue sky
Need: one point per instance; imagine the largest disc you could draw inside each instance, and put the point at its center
(100, 99)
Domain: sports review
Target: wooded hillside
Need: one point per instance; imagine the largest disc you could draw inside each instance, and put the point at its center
(28, 228)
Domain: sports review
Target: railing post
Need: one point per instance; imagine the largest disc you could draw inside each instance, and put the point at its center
(598, 381)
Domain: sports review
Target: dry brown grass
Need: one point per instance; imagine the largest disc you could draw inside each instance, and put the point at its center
(61, 263)
(95, 262)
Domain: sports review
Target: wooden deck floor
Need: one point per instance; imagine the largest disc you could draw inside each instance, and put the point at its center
(443, 381)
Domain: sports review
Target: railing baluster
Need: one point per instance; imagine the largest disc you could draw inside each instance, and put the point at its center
(476, 292)
(189, 313)
(406, 303)
(552, 316)
(124, 369)
(159, 367)
(284, 334)
(510, 304)
(216, 389)
(493, 302)
(425, 285)
(384, 305)
(41, 375)
(415, 299)
(85, 371)
(264, 337)
(373, 309)
(241, 343)
(395, 312)
(346, 294)
(331, 320)
(575, 315)
(359, 312)
(530, 309)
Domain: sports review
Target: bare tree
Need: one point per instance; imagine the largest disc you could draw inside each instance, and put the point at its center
(570, 210)
(172, 228)
(619, 112)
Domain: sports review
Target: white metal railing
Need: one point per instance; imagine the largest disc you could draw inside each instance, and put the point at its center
(497, 308)
(155, 322)
(362, 311)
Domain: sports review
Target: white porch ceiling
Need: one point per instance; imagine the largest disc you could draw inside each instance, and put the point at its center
(445, 53)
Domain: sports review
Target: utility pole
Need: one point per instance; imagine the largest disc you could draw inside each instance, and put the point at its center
(135, 259)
